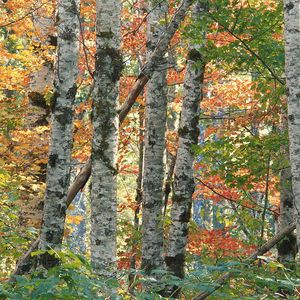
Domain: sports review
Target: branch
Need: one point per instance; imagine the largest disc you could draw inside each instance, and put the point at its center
(247, 47)
(146, 73)
(234, 200)
(260, 251)
(155, 58)
(138, 86)
(26, 262)
(24, 16)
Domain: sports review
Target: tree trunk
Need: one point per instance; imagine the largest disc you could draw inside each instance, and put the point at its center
(153, 165)
(287, 248)
(58, 169)
(105, 138)
(84, 174)
(41, 80)
(183, 186)
(292, 70)
(138, 197)
(138, 86)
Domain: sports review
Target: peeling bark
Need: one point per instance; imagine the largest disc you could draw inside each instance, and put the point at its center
(292, 71)
(153, 165)
(105, 137)
(58, 169)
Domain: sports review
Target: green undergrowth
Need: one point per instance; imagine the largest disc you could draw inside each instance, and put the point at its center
(74, 279)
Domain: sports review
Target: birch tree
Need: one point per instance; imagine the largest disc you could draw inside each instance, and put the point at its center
(148, 69)
(292, 70)
(58, 169)
(287, 248)
(138, 86)
(104, 147)
(183, 186)
(155, 128)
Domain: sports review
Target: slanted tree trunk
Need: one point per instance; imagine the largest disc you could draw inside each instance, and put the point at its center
(84, 174)
(183, 186)
(58, 169)
(42, 79)
(138, 86)
(155, 129)
(292, 71)
(250, 259)
(105, 138)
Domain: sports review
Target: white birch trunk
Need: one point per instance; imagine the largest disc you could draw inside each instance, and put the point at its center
(287, 248)
(58, 169)
(105, 138)
(153, 165)
(292, 70)
(183, 186)
(143, 77)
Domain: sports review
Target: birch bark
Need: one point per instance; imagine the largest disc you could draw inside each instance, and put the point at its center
(105, 138)
(292, 70)
(287, 248)
(153, 164)
(137, 88)
(83, 176)
(58, 169)
(183, 186)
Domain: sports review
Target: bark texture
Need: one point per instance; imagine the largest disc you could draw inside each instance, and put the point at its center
(287, 248)
(292, 70)
(58, 169)
(138, 197)
(137, 88)
(183, 186)
(155, 128)
(160, 50)
(105, 138)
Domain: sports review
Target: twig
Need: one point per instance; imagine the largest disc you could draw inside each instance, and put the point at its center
(23, 17)
(262, 250)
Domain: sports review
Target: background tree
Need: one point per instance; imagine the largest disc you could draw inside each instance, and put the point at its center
(155, 128)
(292, 69)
